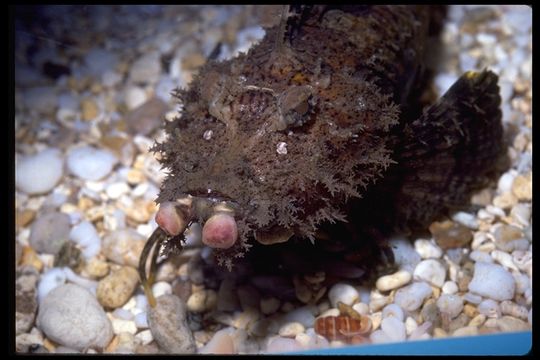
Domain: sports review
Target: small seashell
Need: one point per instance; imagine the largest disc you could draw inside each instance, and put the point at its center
(342, 327)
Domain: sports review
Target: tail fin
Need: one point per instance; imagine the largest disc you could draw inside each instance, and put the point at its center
(453, 149)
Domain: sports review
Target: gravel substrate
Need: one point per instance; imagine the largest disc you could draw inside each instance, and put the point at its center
(92, 87)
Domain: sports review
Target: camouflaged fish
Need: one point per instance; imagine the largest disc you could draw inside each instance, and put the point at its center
(320, 123)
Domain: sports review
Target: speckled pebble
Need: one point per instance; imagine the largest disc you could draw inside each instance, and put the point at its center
(71, 316)
(26, 303)
(39, 173)
(116, 288)
(393, 281)
(493, 281)
(49, 232)
(169, 326)
(90, 163)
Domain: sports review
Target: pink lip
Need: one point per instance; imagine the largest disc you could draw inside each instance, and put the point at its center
(220, 231)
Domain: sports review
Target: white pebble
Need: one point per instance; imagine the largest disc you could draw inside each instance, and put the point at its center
(141, 321)
(146, 69)
(304, 315)
(379, 337)
(421, 332)
(378, 300)
(466, 219)
(39, 173)
(49, 280)
(450, 304)
(450, 287)
(410, 325)
(394, 311)
(521, 213)
(393, 281)
(472, 298)
(490, 308)
(330, 312)
(486, 39)
(280, 344)
(135, 97)
(145, 337)
(481, 256)
(90, 163)
(344, 293)
(431, 271)
(394, 328)
(492, 281)
(161, 288)
(522, 282)
(427, 249)
(71, 276)
(117, 189)
(405, 255)
(85, 234)
(290, 330)
(412, 296)
(120, 326)
(123, 314)
(505, 259)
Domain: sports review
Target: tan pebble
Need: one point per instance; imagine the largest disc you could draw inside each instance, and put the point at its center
(449, 234)
(491, 323)
(202, 301)
(329, 312)
(244, 319)
(96, 268)
(115, 290)
(510, 324)
(49, 345)
(193, 61)
(112, 345)
(95, 213)
(470, 310)
(439, 333)
(376, 319)
(522, 187)
(85, 203)
(123, 246)
(30, 257)
(24, 217)
(96, 88)
(482, 198)
(513, 309)
(393, 281)
(291, 329)
(505, 200)
(123, 326)
(466, 331)
(135, 176)
(478, 320)
(89, 109)
(436, 292)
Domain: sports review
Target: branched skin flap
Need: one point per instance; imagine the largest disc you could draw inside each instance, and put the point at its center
(304, 124)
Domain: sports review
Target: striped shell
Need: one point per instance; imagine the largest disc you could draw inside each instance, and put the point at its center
(342, 327)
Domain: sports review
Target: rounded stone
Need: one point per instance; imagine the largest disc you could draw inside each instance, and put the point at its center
(71, 316)
(431, 271)
(450, 305)
(292, 329)
(393, 281)
(89, 163)
(50, 232)
(344, 293)
(169, 327)
(39, 173)
(411, 297)
(492, 281)
(116, 288)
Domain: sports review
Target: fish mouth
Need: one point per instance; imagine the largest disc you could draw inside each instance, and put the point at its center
(219, 231)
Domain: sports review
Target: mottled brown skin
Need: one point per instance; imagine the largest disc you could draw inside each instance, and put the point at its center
(337, 87)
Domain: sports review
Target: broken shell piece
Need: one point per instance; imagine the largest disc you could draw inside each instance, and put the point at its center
(220, 231)
(169, 219)
(274, 236)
